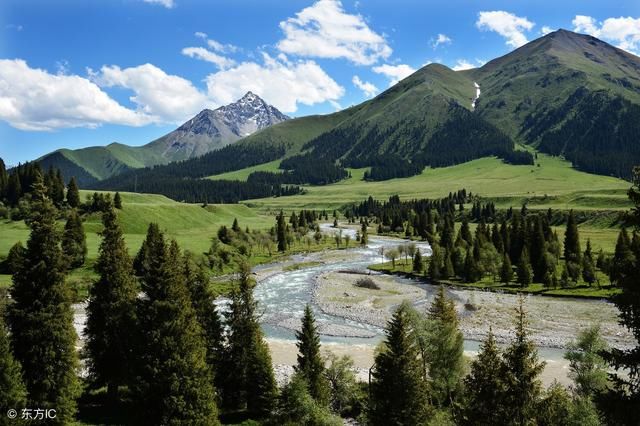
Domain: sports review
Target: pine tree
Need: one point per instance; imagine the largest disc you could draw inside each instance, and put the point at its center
(15, 257)
(398, 390)
(622, 257)
(14, 189)
(4, 180)
(485, 387)
(625, 396)
(111, 311)
(444, 358)
(74, 241)
(250, 383)
(447, 269)
(41, 318)
(235, 227)
(364, 235)
(143, 262)
(73, 195)
(506, 270)
(435, 263)
(521, 373)
(117, 201)
(572, 252)
(203, 301)
(281, 232)
(472, 272)
(13, 393)
(310, 364)
(174, 384)
(525, 274)
(588, 265)
(417, 262)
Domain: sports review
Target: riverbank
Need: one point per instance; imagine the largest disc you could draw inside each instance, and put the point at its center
(554, 323)
(284, 353)
(594, 292)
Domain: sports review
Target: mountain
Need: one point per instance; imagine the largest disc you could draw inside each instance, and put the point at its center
(208, 130)
(565, 94)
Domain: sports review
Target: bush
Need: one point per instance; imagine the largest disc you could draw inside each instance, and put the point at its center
(367, 283)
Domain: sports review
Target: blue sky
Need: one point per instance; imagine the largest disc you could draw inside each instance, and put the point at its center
(77, 73)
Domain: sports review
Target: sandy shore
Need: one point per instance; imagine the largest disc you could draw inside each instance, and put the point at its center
(284, 353)
(554, 322)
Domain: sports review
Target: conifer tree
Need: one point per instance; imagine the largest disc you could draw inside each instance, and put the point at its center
(281, 232)
(625, 396)
(15, 257)
(485, 387)
(525, 274)
(250, 383)
(417, 262)
(364, 235)
(74, 242)
(447, 269)
(572, 252)
(73, 195)
(587, 368)
(622, 257)
(4, 180)
(435, 263)
(310, 364)
(111, 311)
(13, 393)
(143, 262)
(398, 390)
(14, 189)
(588, 265)
(472, 272)
(506, 270)
(521, 373)
(41, 318)
(444, 357)
(117, 201)
(174, 384)
(203, 301)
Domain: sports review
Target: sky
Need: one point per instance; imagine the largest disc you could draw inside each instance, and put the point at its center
(77, 73)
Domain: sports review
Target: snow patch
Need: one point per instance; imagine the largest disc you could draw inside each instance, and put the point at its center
(475, 100)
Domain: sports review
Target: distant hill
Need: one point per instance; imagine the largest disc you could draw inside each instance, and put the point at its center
(207, 131)
(564, 94)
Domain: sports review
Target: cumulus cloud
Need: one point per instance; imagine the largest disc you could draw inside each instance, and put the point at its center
(508, 25)
(369, 89)
(546, 30)
(200, 34)
(441, 40)
(209, 56)
(163, 97)
(623, 31)
(463, 64)
(34, 99)
(325, 30)
(169, 4)
(280, 82)
(394, 73)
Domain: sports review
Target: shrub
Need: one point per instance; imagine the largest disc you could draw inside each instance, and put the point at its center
(367, 283)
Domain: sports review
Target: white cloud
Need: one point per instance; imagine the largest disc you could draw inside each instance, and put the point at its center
(163, 97)
(546, 30)
(624, 31)
(169, 4)
(441, 40)
(585, 24)
(394, 73)
(222, 48)
(508, 25)
(369, 89)
(34, 99)
(282, 84)
(200, 34)
(325, 30)
(462, 64)
(209, 56)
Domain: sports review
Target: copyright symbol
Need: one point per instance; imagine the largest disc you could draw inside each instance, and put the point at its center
(12, 414)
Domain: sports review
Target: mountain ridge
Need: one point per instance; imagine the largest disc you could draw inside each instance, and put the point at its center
(206, 131)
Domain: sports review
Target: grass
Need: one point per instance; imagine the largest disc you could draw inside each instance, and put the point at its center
(243, 174)
(553, 184)
(301, 265)
(580, 290)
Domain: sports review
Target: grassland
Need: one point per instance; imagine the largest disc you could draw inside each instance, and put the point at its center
(243, 174)
(554, 183)
(581, 290)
